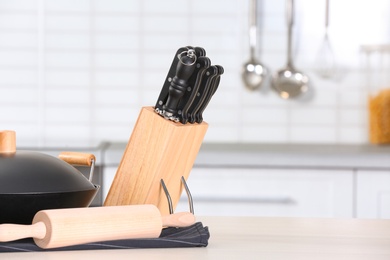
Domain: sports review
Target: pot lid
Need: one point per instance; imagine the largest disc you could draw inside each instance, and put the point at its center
(34, 172)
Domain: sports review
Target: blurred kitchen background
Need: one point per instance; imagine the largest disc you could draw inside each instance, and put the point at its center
(75, 74)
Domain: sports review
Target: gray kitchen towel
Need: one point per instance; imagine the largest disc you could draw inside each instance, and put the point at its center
(193, 236)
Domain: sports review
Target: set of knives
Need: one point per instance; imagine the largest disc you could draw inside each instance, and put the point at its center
(189, 86)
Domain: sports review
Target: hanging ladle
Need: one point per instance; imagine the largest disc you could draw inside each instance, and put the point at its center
(253, 72)
(289, 82)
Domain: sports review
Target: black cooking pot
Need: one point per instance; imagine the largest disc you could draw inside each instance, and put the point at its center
(32, 181)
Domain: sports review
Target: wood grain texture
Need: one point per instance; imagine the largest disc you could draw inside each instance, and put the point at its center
(157, 149)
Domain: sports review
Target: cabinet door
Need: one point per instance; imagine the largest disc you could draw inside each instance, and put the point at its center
(270, 192)
(108, 177)
(373, 194)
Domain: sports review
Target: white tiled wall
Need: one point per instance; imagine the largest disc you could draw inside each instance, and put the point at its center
(77, 72)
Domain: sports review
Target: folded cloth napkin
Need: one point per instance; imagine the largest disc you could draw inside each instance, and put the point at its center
(193, 236)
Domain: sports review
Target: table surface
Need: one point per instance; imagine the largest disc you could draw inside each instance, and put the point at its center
(261, 238)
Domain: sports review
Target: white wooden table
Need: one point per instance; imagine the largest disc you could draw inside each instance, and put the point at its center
(261, 238)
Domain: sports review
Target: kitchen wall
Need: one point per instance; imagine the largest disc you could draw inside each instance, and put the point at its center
(77, 72)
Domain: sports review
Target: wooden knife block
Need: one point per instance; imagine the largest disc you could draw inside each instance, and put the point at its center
(157, 149)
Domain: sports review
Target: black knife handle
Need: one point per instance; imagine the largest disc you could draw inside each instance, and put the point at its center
(179, 84)
(204, 88)
(199, 51)
(185, 103)
(162, 98)
(213, 89)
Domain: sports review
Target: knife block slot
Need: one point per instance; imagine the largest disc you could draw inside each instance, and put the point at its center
(157, 149)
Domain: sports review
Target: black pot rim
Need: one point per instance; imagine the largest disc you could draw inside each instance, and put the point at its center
(96, 188)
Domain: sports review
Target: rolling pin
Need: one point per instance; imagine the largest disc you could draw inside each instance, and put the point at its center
(67, 227)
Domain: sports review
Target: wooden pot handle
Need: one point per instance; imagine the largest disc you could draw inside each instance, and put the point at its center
(7, 141)
(76, 158)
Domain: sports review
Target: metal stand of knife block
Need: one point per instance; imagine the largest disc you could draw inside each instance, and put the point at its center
(157, 149)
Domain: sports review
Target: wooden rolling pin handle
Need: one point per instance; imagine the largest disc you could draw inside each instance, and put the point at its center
(182, 219)
(11, 232)
(76, 158)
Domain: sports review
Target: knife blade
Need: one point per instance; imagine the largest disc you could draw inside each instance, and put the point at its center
(204, 88)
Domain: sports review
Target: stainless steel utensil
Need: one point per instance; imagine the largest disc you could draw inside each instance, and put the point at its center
(253, 72)
(289, 82)
(325, 60)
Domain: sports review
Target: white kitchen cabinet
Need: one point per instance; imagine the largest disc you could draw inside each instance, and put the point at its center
(108, 177)
(373, 194)
(270, 192)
